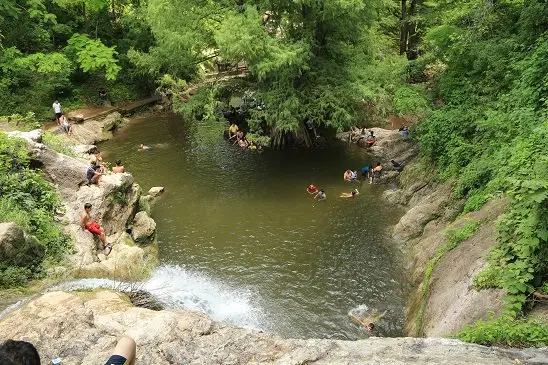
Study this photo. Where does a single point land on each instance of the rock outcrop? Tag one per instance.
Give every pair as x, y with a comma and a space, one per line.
18, 249
143, 228
34, 136
82, 328
114, 202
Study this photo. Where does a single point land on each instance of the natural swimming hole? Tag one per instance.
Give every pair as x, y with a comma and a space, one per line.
240, 238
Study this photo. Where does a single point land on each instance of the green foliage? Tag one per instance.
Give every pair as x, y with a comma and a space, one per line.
25, 122
144, 205
27, 199
507, 332
258, 139
12, 276
491, 132
92, 55
119, 197
410, 99
57, 144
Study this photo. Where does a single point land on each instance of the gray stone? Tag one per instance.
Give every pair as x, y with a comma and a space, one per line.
12, 238
16, 249
84, 149
156, 191
75, 117
82, 328
143, 228
32, 136
112, 121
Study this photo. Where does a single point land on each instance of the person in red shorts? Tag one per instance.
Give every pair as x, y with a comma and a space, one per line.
312, 189
87, 224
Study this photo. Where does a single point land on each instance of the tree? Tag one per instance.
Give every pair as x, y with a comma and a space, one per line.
299, 54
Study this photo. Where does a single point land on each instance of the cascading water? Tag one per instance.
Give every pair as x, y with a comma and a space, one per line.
178, 288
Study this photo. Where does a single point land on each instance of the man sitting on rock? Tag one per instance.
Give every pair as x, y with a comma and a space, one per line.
119, 168
87, 224
93, 173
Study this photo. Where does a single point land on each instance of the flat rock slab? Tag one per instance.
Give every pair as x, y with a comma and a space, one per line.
82, 328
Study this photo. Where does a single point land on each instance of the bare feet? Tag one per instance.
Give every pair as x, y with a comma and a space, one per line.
108, 249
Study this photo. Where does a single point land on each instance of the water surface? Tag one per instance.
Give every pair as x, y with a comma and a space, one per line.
238, 233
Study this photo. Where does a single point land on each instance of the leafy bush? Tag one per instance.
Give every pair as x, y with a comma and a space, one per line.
507, 332
57, 144
27, 199
11, 276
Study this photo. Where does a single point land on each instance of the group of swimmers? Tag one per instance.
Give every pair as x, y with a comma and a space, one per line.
235, 132
368, 172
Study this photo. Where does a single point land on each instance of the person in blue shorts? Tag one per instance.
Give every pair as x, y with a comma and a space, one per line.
124, 352
366, 171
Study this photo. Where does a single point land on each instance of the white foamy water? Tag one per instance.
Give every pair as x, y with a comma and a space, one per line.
178, 287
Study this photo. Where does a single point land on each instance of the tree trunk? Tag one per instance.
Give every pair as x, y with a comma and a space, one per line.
403, 27
412, 32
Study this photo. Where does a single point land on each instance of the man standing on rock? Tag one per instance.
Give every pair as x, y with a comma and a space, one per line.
87, 224
57, 110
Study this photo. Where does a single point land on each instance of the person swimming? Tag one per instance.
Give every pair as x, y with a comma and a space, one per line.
352, 194
142, 147
312, 189
365, 317
321, 195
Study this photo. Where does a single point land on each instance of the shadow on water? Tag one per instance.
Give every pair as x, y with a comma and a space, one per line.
244, 219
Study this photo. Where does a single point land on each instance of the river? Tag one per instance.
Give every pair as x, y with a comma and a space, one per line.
240, 238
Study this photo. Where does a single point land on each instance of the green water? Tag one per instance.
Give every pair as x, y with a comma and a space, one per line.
245, 220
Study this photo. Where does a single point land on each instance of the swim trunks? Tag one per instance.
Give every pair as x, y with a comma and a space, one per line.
116, 360
312, 188
94, 228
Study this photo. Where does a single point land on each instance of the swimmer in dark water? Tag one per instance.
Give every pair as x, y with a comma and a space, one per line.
350, 195
312, 189
142, 147
321, 195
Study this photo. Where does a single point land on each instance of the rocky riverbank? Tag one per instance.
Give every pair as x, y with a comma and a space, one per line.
444, 302
117, 203
81, 328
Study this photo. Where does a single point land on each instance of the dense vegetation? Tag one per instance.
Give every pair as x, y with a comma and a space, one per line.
475, 72
68, 49
27, 199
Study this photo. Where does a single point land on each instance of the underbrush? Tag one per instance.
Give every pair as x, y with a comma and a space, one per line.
507, 332
27, 199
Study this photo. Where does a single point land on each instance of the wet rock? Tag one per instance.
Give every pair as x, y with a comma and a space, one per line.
143, 228
112, 121
156, 191
82, 328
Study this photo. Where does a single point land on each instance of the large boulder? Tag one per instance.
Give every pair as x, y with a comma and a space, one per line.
143, 228
155, 191
12, 238
16, 249
34, 136
112, 121
83, 327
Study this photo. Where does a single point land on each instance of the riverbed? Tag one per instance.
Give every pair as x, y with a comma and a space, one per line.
240, 238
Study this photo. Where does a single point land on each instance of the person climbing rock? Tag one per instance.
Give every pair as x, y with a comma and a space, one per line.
89, 225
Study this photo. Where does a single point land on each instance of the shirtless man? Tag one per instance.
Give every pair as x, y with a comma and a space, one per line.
89, 225
119, 168
350, 195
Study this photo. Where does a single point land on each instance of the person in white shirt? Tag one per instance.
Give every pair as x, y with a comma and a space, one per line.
57, 111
